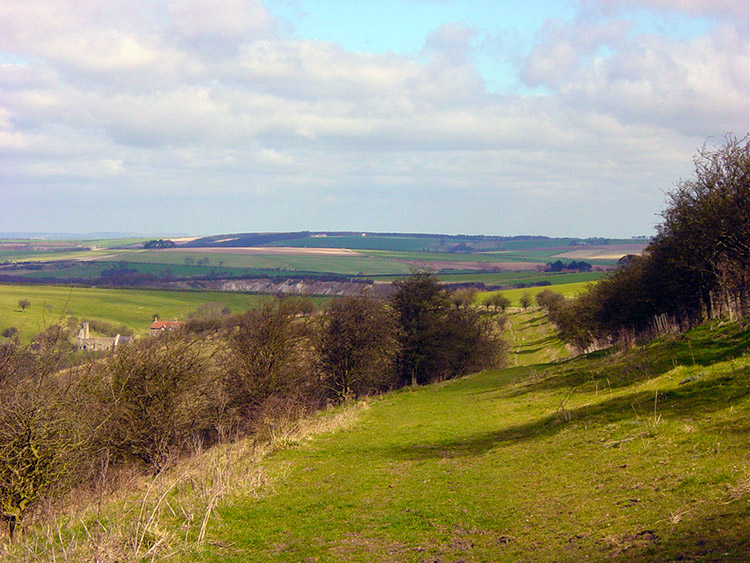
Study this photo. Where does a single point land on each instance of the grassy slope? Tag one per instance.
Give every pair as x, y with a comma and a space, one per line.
134, 308
602, 458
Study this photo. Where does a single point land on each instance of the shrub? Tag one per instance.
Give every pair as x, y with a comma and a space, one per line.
548, 299
270, 355
497, 301
436, 339
10, 332
44, 439
210, 317
160, 397
357, 346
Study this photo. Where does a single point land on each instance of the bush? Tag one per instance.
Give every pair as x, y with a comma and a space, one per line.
357, 346
10, 332
210, 317
497, 301
45, 442
548, 299
436, 339
271, 355
160, 397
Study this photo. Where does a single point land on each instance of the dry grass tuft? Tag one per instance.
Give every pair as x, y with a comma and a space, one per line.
151, 518
739, 490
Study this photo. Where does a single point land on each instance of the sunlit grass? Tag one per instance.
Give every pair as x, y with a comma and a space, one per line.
134, 308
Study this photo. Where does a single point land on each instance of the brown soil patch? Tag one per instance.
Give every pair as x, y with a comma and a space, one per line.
603, 252
268, 250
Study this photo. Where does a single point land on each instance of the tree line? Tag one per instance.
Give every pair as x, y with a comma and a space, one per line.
697, 267
67, 422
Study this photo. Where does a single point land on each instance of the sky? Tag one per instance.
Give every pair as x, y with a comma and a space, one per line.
546, 117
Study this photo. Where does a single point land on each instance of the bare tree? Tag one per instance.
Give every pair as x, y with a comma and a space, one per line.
357, 346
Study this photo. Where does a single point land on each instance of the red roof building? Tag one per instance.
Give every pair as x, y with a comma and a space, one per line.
157, 327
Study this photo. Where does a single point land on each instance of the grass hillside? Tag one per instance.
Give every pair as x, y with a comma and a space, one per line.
626, 455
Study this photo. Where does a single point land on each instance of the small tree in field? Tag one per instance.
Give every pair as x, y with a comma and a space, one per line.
24, 304
548, 299
526, 300
497, 301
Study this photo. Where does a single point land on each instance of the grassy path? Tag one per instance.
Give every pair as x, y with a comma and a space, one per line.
533, 339
637, 456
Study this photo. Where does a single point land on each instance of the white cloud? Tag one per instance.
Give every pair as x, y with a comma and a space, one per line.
713, 8
182, 101
698, 87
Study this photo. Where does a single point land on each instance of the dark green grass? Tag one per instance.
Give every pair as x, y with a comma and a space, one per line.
620, 456
532, 256
457, 257
91, 270
522, 277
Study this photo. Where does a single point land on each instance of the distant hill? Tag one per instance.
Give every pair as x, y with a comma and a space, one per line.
414, 242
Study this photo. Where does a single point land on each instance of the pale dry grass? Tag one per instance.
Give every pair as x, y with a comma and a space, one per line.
740, 490
161, 517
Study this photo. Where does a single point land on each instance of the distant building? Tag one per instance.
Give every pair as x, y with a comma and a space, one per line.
98, 343
157, 327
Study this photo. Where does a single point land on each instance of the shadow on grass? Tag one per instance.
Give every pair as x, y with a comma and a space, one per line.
619, 367
694, 400
538, 345
534, 321
718, 537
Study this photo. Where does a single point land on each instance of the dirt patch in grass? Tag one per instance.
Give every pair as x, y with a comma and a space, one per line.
620, 544
603, 252
378, 548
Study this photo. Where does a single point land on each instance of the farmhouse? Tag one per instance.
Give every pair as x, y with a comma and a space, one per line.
95, 343
157, 327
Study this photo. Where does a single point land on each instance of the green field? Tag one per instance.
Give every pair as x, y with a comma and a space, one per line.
346, 265
510, 278
94, 269
566, 289
134, 308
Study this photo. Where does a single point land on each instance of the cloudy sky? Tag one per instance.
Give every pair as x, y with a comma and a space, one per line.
548, 117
